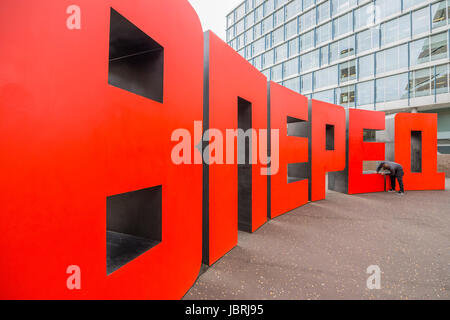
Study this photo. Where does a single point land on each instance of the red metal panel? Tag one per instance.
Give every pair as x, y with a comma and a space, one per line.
284, 103
322, 160
69, 140
359, 151
429, 178
230, 77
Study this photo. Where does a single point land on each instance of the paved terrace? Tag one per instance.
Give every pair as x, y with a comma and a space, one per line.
322, 251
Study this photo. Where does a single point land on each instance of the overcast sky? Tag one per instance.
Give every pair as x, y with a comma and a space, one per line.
212, 14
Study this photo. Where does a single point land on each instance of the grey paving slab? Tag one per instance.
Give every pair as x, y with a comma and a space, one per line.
322, 251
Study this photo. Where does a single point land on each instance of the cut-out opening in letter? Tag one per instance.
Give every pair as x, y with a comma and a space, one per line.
297, 127
369, 135
416, 151
133, 225
329, 133
136, 61
245, 169
298, 171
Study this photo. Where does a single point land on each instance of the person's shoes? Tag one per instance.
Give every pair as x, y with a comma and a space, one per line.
392, 190
400, 193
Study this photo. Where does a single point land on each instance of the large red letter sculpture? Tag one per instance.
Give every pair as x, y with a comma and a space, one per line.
353, 180
289, 110
327, 144
74, 146
416, 151
236, 98
91, 203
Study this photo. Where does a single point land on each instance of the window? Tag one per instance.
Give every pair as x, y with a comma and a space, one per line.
281, 2
230, 19
269, 6
240, 11
259, 46
293, 47
268, 58
339, 6
386, 8
420, 83
293, 8
345, 96
307, 40
279, 17
419, 51
439, 46
347, 47
392, 59
249, 4
277, 73
258, 2
306, 83
323, 33
248, 51
323, 11
281, 53
343, 48
242, 53
364, 16
257, 31
249, 36
290, 67
233, 44
257, 62
420, 21
343, 25
438, 14
310, 60
326, 77
240, 41
366, 67
293, 84
240, 27
365, 93
411, 3
368, 40
267, 24
307, 3
278, 36
259, 13
308, 20
392, 88
291, 29
324, 55
268, 41
347, 71
395, 30
441, 85
448, 11
266, 73
230, 33
327, 96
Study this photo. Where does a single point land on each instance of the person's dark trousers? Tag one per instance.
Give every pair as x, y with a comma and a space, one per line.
400, 182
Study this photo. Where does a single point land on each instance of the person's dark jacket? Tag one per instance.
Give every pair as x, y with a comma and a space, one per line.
395, 169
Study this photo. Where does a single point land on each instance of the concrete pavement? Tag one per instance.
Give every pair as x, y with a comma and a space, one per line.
322, 251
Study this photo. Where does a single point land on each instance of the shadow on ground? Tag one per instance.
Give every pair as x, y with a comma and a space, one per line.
322, 251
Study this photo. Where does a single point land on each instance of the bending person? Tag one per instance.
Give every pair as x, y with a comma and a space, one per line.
395, 171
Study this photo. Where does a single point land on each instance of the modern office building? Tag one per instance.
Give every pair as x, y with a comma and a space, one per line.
387, 55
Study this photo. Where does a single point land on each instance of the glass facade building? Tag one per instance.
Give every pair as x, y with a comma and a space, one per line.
386, 55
